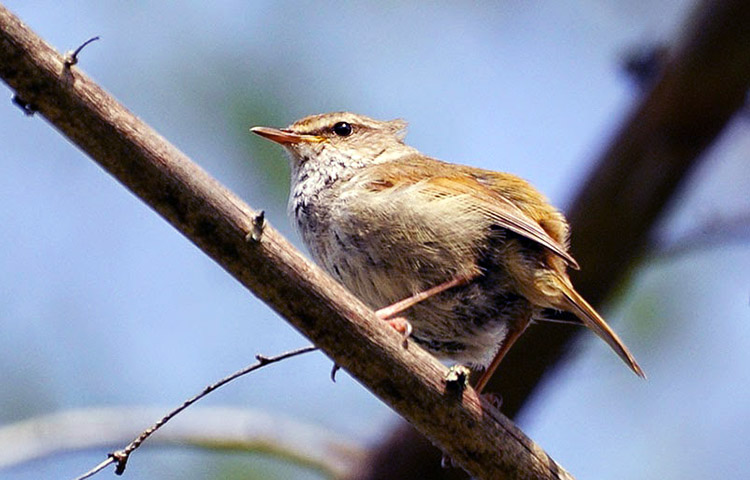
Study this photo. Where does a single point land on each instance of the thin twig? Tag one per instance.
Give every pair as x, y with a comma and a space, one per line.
120, 457
110, 460
71, 58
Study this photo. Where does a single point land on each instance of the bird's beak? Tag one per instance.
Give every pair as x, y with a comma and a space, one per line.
285, 137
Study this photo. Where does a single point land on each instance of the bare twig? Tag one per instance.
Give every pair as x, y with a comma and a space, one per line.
467, 428
71, 58
104, 464
120, 457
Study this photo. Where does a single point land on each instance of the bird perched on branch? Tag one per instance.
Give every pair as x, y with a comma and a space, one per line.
459, 259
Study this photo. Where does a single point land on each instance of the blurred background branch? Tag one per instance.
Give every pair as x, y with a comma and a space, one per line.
216, 428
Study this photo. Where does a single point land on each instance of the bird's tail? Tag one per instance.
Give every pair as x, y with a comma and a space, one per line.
581, 308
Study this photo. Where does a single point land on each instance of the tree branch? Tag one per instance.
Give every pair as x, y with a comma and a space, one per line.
121, 457
475, 435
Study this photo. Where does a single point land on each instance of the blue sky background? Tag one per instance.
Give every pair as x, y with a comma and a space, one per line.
103, 303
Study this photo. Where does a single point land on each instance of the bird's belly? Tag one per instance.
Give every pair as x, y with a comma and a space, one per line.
466, 324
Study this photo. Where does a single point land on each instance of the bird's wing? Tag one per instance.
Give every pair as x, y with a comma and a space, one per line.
498, 208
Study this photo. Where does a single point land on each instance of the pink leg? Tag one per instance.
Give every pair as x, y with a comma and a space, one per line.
401, 324
507, 343
400, 306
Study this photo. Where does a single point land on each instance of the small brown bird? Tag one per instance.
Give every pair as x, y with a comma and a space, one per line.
476, 254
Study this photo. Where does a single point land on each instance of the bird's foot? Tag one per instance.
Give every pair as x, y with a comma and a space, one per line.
402, 326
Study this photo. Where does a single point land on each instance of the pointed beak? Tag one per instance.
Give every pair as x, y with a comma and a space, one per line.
284, 136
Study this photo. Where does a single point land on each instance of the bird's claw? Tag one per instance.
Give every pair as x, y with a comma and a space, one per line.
402, 326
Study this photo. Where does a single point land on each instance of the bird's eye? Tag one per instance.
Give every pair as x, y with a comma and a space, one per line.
342, 129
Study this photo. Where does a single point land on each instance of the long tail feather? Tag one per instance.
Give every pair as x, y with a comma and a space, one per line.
595, 322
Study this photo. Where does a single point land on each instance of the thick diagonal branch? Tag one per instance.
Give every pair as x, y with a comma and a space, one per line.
484, 442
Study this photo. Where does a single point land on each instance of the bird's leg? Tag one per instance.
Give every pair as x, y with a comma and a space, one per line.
508, 342
401, 324
401, 305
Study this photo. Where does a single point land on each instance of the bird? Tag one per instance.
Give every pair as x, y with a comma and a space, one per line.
459, 259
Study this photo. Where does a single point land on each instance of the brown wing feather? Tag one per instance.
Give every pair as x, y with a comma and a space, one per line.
501, 210
486, 191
